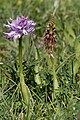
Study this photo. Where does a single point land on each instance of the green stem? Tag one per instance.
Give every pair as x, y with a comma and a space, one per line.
24, 87
55, 82
20, 56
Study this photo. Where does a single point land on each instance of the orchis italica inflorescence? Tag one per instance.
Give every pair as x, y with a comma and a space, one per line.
19, 27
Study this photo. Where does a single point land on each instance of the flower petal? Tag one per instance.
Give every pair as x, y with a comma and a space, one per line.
25, 32
16, 36
9, 35
31, 29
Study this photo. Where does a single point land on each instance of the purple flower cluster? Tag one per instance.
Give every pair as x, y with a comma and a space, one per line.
19, 27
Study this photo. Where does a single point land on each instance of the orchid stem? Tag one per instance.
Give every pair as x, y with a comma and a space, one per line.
24, 88
55, 82
20, 57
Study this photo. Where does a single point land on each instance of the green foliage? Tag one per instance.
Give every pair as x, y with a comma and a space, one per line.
37, 65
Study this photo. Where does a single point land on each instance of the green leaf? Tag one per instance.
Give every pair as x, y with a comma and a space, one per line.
77, 49
70, 30
25, 90
76, 66
36, 68
69, 39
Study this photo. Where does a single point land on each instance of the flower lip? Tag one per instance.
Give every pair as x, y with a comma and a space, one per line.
19, 27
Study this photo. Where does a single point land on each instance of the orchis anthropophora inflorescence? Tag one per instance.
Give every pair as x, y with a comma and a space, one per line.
19, 27
50, 38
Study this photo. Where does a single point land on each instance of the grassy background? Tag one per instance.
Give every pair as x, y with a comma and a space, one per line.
66, 105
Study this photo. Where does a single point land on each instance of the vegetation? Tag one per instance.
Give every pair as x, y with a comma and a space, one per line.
47, 102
